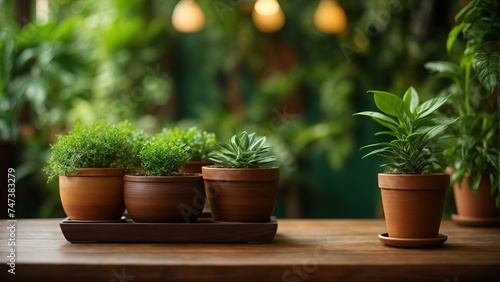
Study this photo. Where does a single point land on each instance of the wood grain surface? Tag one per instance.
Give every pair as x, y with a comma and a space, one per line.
302, 250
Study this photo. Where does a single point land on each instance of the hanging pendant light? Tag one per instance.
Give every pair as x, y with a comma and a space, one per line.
330, 17
268, 16
188, 16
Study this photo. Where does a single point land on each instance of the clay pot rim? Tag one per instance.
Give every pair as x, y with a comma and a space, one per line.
432, 181
188, 177
200, 162
213, 172
96, 172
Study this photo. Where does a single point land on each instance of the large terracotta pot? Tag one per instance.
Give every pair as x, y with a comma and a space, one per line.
93, 194
241, 194
164, 198
413, 204
481, 205
195, 166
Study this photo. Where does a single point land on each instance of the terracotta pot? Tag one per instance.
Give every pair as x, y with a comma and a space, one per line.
241, 194
93, 194
164, 198
195, 166
480, 205
413, 204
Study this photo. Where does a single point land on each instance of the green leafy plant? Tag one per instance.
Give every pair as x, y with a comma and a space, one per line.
480, 28
163, 157
199, 143
473, 147
96, 145
137, 138
414, 129
243, 151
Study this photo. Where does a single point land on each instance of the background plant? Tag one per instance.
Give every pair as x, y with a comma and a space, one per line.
96, 145
199, 143
243, 151
474, 148
163, 157
414, 130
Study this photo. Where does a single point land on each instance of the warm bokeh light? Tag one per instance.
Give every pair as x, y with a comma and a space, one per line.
188, 17
268, 16
330, 17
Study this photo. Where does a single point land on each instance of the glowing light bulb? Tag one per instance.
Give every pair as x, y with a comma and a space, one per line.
330, 17
268, 16
188, 16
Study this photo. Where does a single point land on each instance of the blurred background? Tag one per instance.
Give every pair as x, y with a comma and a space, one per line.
294, 71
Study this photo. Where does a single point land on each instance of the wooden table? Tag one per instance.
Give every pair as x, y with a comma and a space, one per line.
303, 250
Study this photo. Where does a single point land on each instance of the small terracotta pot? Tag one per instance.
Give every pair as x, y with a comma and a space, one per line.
93, 194
164, 198
241, 194
413, 204
194, 166
480, 205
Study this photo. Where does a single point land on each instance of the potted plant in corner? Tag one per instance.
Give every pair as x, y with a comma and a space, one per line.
199, 144
474, 150
240, 186
412, 194
90, 162
159, 192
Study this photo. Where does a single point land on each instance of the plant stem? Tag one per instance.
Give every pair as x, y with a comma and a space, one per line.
467, 90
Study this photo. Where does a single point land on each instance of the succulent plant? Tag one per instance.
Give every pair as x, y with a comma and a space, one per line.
243, 151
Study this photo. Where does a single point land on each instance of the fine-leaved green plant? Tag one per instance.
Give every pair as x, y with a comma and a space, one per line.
137, 138
243, 151
96, 145
162, 157
414, 131
199, 143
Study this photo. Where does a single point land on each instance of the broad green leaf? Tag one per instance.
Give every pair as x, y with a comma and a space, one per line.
388, 103
452, 36
487, 67
380, 118
411, 100
435, 131
390, 133
429, 106
448, 69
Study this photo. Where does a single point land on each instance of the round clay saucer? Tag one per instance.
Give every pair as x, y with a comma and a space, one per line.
412, 243
475, 221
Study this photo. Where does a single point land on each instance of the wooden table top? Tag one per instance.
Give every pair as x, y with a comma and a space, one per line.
303, 250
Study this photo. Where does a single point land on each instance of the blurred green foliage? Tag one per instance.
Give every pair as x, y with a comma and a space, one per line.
122, 60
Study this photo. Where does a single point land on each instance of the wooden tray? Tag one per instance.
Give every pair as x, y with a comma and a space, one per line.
205, 230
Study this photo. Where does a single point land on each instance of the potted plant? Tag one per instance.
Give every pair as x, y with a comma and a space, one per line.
473, 151
160, 193
412, 193
240, 186
199, 144
90, 161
